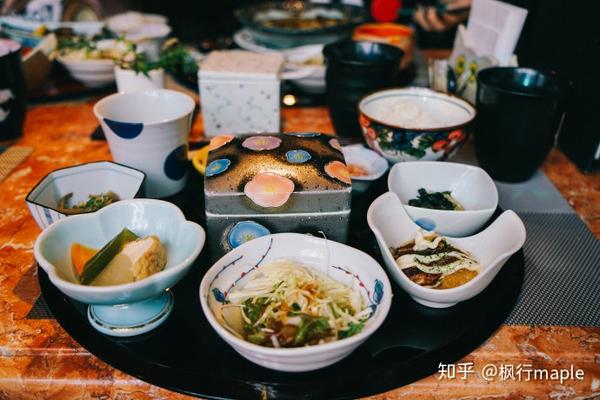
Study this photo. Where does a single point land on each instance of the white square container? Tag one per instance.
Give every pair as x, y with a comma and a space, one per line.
239, 92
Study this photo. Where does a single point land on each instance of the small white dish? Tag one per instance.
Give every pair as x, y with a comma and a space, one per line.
81, 180
131, 308
92, 73
492, 247
28, 25
367, 159
471, 186
348, 266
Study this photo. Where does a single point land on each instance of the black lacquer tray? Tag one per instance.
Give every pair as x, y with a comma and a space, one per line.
186, 355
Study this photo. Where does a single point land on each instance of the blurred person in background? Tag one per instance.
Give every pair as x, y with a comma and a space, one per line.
437, 28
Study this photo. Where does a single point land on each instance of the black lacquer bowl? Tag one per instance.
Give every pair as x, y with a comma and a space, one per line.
187, 356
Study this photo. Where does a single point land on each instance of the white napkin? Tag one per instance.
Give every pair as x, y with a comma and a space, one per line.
494, 28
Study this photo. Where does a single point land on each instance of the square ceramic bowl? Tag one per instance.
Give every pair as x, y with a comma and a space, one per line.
492, 247
342, 263
471, 186
373, 164
183, 241
81, 180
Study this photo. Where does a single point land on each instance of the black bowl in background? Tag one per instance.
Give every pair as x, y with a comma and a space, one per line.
518, 116
252, 18
354, 69
12, 92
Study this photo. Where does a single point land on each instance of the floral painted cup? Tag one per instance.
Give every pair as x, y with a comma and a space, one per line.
412, 124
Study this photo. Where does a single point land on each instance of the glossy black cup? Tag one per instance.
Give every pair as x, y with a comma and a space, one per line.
518, 115
12, 92
355, 69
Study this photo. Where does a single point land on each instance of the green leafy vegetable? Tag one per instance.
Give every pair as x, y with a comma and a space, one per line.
174, 57
311, 329
436, 201
254, 310
353, 329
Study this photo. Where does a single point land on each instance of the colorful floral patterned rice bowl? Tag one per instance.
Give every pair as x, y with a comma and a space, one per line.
349, 266
412, 124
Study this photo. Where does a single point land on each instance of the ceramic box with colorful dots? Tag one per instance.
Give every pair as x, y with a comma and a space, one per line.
272, 183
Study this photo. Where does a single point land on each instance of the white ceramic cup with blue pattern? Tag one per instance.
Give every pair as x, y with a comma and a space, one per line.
149, 130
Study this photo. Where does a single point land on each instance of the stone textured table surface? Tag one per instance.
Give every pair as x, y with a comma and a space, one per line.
38, 360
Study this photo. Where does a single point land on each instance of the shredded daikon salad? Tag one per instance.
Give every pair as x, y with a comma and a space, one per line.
287, 304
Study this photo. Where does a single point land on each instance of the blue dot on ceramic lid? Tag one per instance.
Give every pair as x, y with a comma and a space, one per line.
297, 156
217, 166
175, 164
245, 231
426, 223
125, 130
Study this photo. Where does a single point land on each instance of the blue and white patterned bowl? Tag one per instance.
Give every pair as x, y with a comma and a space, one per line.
347, 265
81, 180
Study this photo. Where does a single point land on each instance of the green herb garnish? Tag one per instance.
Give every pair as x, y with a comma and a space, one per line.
353, 329
311, 329
174, 57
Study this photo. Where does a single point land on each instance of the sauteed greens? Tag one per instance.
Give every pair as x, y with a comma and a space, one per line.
93, 203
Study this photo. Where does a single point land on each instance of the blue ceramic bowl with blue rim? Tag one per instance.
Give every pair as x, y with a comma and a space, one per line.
411, 124
343, 263
131, 308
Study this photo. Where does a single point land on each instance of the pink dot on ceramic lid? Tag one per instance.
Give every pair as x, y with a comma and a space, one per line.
338, 170
219, 141
335, 144
269, 189
259, 143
